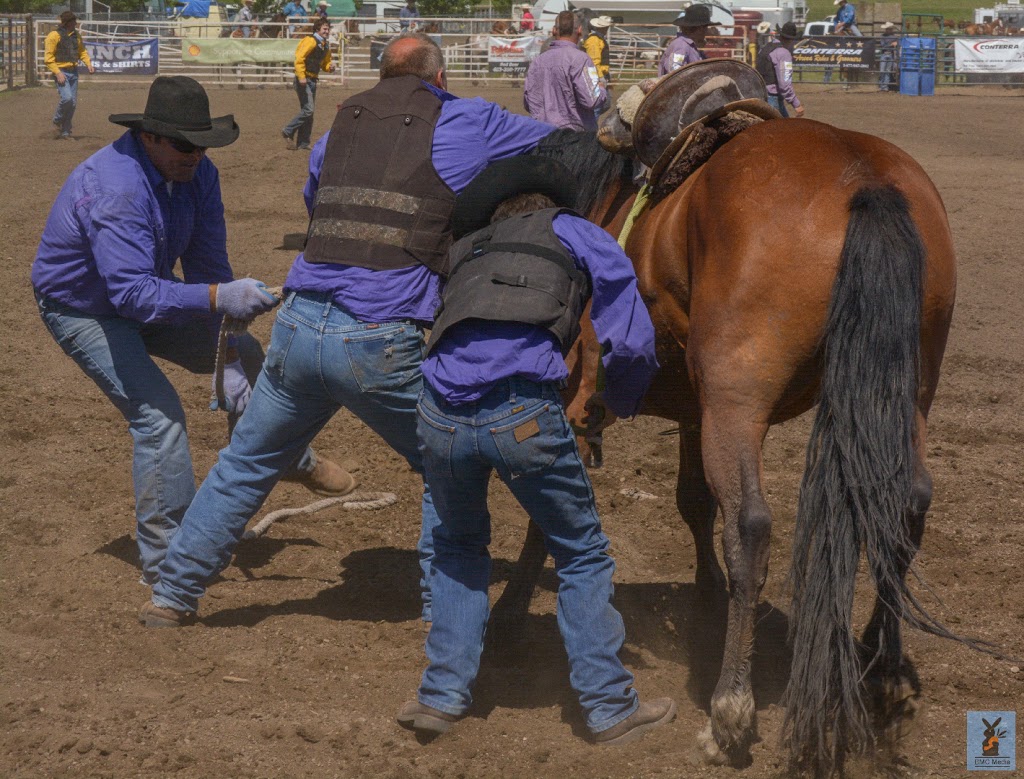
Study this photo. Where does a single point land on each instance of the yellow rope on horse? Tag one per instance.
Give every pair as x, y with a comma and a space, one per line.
642, 197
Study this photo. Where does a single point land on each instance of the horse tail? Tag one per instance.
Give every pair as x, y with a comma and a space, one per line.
858, 479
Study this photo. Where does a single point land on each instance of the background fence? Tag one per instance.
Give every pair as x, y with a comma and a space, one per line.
17, 66
634, 50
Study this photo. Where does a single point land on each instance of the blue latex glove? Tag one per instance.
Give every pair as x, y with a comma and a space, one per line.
236, 389
244, 299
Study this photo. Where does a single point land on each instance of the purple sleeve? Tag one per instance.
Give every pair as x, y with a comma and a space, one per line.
205, 260
124, 247
316, 162
620, 318
784, 76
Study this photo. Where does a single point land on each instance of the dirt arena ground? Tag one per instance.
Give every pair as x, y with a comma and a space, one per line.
319, 622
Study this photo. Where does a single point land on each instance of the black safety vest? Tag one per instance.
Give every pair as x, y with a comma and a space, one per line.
67, 46
315, 58
765, 67
380, 203
515, 270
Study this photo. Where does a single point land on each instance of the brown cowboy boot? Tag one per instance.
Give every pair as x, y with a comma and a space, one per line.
326, 478
647, 717
426, 719
153, 616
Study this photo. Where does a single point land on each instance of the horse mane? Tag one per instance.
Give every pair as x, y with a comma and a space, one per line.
595, 168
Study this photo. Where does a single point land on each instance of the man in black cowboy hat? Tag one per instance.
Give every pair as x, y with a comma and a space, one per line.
693, 26
518, 279
775, 65
105, 285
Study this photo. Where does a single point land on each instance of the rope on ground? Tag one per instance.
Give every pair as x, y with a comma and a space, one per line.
357, 500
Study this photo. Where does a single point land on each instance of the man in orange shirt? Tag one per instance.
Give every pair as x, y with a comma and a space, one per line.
63, 51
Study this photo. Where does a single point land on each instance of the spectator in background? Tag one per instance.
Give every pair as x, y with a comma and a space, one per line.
63, 49
596, 47
775, 65
321, 11
846, 18
889, 48
245, 18
562, 85
693, 26
294, 12
407, 16
526, 23
312, 55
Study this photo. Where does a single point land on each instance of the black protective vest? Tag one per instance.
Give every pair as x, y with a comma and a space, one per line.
67, 46
380, 203
515, 270
765, 68
315, 57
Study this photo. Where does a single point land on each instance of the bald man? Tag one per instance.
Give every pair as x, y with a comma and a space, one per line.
382, 185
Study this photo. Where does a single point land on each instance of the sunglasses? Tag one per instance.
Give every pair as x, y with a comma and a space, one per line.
185, 147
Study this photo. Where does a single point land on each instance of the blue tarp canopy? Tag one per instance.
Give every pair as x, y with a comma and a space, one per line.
200, 8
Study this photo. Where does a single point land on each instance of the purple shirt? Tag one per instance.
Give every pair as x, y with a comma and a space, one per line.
782, 60
114, 234
680, 51
470, 134
562, 87
473, 355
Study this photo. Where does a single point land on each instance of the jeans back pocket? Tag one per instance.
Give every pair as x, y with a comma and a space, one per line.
533, 440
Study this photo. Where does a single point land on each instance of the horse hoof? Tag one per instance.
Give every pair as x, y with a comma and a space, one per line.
709, 748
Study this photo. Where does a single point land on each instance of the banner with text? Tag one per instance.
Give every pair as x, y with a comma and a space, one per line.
990, 55
232, 51
132, 57
511, 56
835, 51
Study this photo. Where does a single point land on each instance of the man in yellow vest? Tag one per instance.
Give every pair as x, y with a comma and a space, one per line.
596, 46
63, 50
312, 55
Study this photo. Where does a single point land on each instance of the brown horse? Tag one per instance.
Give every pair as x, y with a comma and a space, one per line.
801, 264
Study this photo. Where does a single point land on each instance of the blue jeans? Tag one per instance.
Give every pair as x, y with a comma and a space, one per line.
302, 122
320, 359
68, 92
778, 104
117, 354
518, 429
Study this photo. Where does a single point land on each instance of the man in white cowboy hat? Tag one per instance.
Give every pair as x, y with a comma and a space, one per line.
596, 46
889, 49
106, 288
775, 65
693, 26
321, 10
246, 17
846, 18
526, 23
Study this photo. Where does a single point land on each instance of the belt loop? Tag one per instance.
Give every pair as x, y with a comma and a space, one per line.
512, 391
289, 299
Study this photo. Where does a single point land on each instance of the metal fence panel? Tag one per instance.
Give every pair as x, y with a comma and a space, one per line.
16, 59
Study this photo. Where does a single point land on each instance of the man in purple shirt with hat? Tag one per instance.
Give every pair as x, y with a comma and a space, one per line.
105, 285
775, 65
562, 85
350, 331
520, 277
685, 47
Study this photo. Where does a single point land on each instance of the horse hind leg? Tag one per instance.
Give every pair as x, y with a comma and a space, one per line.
731, 447
698, 508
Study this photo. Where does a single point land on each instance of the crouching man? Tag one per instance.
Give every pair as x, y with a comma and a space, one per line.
510, 310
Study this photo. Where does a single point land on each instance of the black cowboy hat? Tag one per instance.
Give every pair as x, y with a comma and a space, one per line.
697, 15
179, 108
508, 178
788, 31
